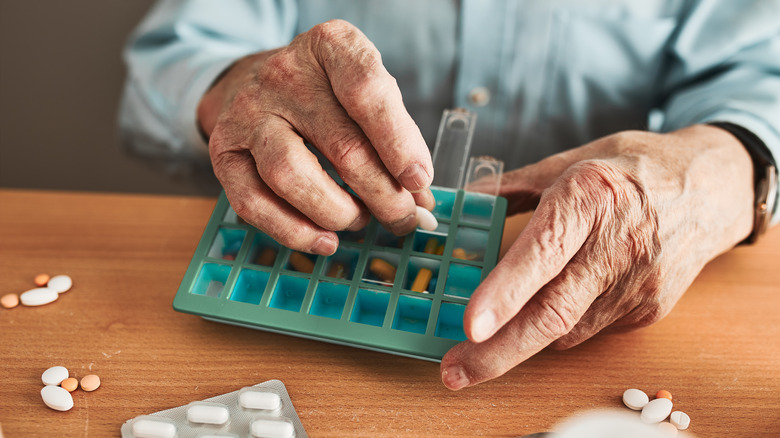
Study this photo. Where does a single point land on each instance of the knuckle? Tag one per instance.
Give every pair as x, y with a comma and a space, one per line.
554, 319
281, 68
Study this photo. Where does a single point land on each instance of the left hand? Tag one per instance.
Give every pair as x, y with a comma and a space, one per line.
622, 227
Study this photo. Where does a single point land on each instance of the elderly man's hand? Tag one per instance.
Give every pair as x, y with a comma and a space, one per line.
622, 227
330, 89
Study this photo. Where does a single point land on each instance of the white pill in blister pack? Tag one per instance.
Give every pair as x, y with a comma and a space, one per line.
146, 427
208, 413
250, 398
272, 428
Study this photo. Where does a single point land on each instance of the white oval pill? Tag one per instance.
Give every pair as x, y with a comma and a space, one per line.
680, 419
38, 296
657, 410
667, 429
262, 428
207, 414
259, 400
57, 398
635, 399
426, 220
60, 283
153, 429
54, 375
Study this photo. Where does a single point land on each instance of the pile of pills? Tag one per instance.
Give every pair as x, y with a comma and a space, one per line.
59, 385
657, 410
48, 290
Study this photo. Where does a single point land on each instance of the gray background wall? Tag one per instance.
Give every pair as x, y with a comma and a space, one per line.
61, 76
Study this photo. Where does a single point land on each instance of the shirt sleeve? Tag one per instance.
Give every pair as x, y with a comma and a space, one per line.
173, 57
724, 66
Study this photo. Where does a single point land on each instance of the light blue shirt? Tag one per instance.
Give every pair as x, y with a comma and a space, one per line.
543, 76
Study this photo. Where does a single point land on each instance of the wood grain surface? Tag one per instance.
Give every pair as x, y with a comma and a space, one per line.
718, 352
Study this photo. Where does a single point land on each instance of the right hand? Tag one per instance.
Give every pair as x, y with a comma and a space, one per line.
330, 89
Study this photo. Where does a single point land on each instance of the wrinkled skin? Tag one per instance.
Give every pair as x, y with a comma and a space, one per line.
621, 226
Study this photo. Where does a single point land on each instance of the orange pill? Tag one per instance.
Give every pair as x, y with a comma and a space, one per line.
431, 246
337, 270
459, 253
301, 263
382, 269
90, 382
9, 301
422, 280
41, 280
267, 257
663, 394
70, 384
440, 251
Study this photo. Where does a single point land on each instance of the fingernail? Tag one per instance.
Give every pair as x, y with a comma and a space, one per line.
359, 223
414, 178
483, 326
325, 245
454, 377
404, 226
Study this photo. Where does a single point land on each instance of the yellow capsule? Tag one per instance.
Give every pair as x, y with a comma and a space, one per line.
422, 280
382, 269
267, 257
459, 253
431, 246
301, 263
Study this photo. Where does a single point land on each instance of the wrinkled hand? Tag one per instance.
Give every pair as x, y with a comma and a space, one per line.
330, 89
622, 227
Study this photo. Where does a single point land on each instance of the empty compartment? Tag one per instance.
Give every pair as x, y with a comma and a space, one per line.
227, 243
462, 280
431, 242
449, 324
250, 286
386, 238
478, 208
211, 280
382, 268
264, 250
289, 293
419, 273
329, 300
358, 236
370, 307
342, 264
300, 262
445, 202
470, 244
231, 217
411, 314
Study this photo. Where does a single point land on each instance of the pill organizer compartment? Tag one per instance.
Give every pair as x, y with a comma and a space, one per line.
342, 264
478, 208
211, 280
425, 240
469, 244
445, 203
413, 271
264, 250
329, 300
386, 238
450, 321
227, 243
250, 286
289, 293
412, 314
462, 280
374, 272
370, 307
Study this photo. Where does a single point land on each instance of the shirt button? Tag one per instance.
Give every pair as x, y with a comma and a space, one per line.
479, 96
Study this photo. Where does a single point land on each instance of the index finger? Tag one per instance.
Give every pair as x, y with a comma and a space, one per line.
373, 100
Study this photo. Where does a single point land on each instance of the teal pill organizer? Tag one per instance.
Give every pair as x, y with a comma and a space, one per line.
241, 276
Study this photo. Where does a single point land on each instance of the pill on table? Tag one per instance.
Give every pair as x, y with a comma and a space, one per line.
60, 283
663, 394
207, 414
56, 398
38, 296
337, 270
635, 399
259, 400
267, 428
431, 246
422, 280
90, 382
459, 253
267, 257
54, 375
148, 428
680, 420
301, 263
657, 410
70, 384
40, 280
382, 269
9, 301
667, 429
426, 220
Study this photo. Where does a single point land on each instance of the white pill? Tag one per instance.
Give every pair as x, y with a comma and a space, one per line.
635, 399
680, 419
54, 375
207, 413
60, 283
259, 400
57, 398
38, 296
657, 410
262, 428
667, 429
426, 220
147, 428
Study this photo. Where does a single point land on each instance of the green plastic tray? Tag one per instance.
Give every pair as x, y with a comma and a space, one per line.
224, 281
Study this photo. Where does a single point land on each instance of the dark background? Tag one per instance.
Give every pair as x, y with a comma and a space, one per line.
61, 76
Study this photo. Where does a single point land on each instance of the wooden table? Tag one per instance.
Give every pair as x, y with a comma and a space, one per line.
718, 352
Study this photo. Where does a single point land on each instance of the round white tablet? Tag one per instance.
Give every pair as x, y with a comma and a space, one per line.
57, 398
54, 375
635, 399
657, 410
60, 283
680, 419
